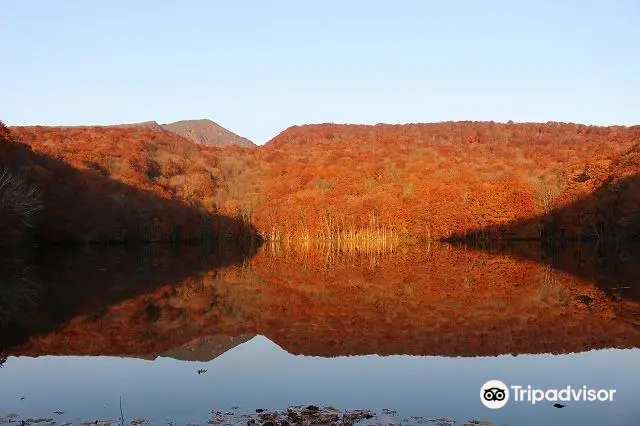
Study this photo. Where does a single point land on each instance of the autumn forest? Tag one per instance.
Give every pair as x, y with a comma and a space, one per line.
456, 239
349, 184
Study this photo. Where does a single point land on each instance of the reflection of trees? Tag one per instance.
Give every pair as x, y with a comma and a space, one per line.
551, 288
19, 294
3, 359
155, 281
321, 301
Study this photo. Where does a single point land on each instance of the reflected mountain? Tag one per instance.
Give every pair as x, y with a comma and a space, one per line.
206, 348
416, 300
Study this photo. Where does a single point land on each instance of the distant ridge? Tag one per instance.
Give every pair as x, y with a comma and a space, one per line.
153, 125
205, 132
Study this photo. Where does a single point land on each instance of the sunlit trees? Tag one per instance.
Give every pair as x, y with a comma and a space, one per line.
547, 190
430, 180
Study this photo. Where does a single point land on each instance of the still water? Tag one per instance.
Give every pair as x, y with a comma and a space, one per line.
417, 330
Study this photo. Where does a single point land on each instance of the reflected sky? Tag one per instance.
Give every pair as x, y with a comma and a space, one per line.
259, 374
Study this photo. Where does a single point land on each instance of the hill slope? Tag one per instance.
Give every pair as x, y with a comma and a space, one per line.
206, 132
433, 180
116, 184
354, 183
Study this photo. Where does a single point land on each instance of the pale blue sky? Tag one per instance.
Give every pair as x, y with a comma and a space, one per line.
257, 67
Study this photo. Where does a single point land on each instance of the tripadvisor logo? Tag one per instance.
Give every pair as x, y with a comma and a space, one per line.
495, 394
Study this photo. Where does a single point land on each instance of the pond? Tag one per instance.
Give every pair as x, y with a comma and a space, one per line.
412, 333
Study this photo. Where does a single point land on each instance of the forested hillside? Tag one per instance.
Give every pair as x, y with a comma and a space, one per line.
111, 184
354, 183
438, 180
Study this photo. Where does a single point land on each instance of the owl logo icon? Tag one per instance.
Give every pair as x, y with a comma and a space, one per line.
494, 394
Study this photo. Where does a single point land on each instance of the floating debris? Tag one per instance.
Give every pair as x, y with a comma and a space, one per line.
441, 421
559, 405
202, 371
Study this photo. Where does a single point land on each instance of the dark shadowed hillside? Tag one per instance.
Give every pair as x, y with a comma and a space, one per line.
206, 132
110, 184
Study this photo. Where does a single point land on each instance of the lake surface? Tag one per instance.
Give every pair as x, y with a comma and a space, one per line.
177, 333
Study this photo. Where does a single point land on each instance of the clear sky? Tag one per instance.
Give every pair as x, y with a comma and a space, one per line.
258, 67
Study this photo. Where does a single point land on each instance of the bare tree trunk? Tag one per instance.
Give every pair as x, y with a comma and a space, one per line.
20, 204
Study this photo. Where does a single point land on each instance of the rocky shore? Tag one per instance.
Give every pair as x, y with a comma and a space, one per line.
292, 416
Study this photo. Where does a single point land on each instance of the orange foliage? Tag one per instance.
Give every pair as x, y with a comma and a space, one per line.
433, 180
115, 184
419, 181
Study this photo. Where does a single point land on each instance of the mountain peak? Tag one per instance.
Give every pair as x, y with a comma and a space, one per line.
207, 132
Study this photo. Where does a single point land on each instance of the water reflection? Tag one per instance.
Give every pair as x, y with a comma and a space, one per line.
208, 307
441, 301
46, 290
259, 374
